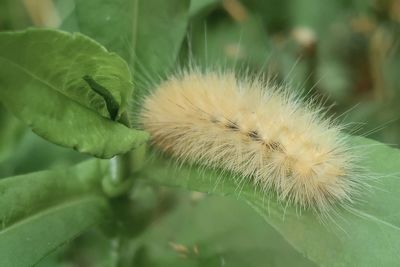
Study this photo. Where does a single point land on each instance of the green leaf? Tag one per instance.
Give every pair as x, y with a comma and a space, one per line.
47, 91
13, 15
373, 226
11, 132
199, 7
212, 231
159, 36
111, 103
48, 230
67, 60
231, 44
149, 35
41, 211
33, 153
100, 19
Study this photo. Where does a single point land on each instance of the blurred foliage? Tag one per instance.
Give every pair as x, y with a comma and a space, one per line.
13, 15
343, 239
343, 51
21, 151
200, 231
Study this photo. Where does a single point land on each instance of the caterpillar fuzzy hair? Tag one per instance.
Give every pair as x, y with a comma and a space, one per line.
261, 132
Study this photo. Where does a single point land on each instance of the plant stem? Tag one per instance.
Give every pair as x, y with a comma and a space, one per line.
118, 182
120, 168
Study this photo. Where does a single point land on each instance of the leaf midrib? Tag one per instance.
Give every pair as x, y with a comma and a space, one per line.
261, 212
31, 74
374, 219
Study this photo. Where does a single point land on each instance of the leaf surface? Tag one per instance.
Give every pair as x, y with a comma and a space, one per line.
41, 211
41, 82
203, 231
199, 7
367, 236
146, 33
231, 44
11, 132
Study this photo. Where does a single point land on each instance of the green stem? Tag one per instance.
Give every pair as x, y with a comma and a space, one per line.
118, 181
120, 168
115, 252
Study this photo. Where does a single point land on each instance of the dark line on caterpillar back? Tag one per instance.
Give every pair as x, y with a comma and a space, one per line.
254, 135
275, 146
232, 126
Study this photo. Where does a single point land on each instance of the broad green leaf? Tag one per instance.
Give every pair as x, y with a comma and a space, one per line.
13, 15
367, 236
47, 231
198, 7
109, 22
11, 132
41, 211
149, 35
132, 215
61, 61
33, 153
41, 82
159, 36
213, 231
231, 44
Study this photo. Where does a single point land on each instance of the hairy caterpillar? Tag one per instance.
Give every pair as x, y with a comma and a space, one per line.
257, 130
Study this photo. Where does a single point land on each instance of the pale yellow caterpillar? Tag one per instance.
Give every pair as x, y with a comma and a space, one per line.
259, 131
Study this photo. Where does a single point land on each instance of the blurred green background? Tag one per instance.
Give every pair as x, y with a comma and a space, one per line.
344, 51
